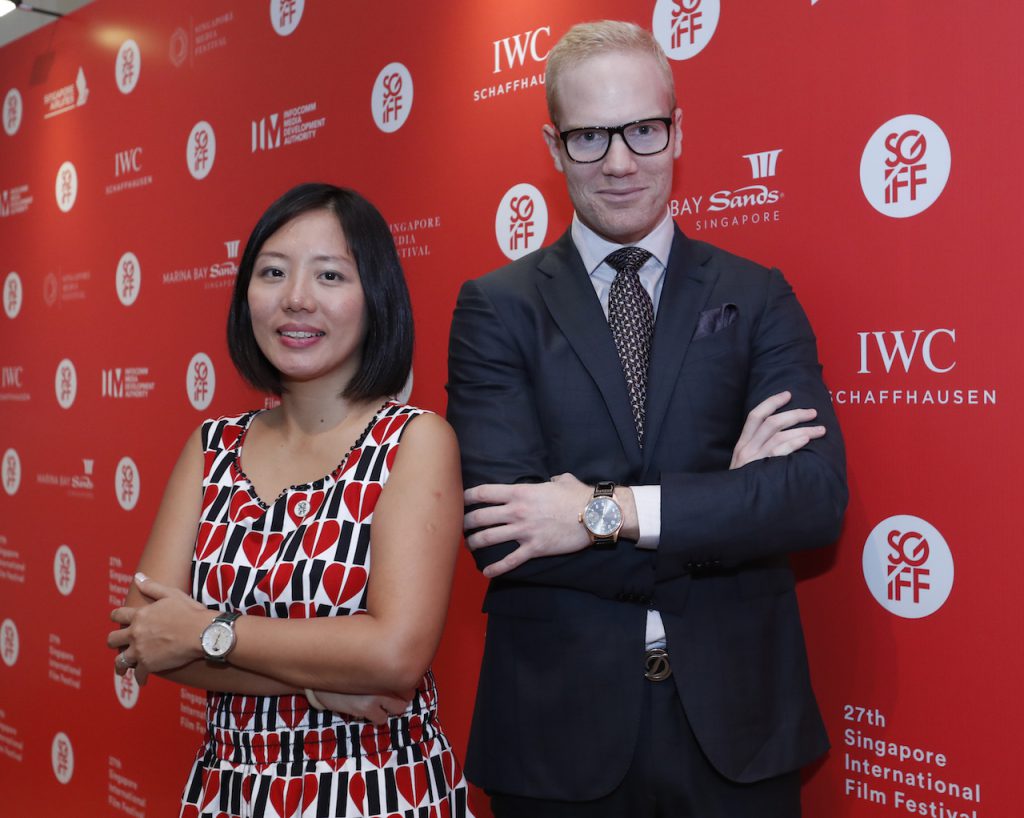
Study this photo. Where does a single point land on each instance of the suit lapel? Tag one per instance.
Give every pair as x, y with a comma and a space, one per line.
687, 286
572, 302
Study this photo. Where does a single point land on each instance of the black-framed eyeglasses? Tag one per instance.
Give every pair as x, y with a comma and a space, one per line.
644, 137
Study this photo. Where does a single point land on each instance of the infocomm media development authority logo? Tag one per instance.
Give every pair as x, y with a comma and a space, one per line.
905, 166
521, 222
908, 566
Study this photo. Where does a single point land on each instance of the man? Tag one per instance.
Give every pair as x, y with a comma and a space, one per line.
634, 492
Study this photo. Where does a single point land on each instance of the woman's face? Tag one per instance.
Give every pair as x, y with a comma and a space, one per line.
306, 301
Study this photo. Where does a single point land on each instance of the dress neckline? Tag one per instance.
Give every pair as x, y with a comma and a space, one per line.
312, 484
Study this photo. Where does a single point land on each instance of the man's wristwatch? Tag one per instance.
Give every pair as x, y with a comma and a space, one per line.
218, 638
602, 516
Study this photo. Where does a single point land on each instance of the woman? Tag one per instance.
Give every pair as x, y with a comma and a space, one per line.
297, 504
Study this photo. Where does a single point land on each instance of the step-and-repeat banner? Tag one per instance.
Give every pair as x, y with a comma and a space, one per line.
870, 149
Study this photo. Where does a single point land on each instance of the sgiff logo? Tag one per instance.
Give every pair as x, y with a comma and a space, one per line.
521, 222
200, 380
13, 295
905, 166
62, 757
12, 112
128, 279
127, 66
391, 101
685, 27
65, 384
908, 566
126, 483
64, 570
66, 187
201, 150
9, 642
285, 15
126, 689
11, 472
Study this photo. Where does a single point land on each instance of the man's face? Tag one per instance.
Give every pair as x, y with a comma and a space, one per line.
623, 196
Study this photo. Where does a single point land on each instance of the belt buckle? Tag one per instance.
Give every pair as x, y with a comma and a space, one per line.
656, 665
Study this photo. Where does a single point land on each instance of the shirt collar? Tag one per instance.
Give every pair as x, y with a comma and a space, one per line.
594, 249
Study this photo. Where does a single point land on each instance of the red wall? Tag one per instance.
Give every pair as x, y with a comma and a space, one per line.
813, 86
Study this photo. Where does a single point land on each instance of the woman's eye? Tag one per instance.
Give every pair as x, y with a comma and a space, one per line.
271, 272
330, 275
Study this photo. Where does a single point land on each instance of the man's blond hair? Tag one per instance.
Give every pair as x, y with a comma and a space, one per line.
586, 40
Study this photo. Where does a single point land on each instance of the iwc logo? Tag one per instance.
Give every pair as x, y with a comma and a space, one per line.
12, 112
126, 483
127, 66
13, 295
65, 383
685, 27
905, 166
285, 15
201, 150
200, 381
391, 100
66, 187
128, 279
908, 566
521, 222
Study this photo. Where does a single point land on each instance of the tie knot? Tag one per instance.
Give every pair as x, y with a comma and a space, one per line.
627, 259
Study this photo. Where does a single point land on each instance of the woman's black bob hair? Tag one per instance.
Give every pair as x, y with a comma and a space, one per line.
387, 347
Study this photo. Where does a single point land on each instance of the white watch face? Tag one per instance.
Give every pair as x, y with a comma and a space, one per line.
602, 516
218, 639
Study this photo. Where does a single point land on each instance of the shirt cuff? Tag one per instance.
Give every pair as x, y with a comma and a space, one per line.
648, 515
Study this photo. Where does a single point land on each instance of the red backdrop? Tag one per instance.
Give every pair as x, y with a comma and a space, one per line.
870, 149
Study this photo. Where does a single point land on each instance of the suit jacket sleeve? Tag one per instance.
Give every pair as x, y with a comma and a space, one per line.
714, 517
494, 411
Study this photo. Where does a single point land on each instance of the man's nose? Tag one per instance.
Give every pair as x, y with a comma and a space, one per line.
620, 159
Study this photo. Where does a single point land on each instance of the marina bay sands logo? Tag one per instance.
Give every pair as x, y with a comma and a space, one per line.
285, 15
12, 111
127, 66
66, 187
201, 150
13, 295
200, 381
908, 566
126, 483
391, 101
11, 474
65, 383
685, 27
521, 222
905, 166
128, 279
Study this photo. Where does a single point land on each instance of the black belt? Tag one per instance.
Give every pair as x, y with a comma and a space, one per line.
656, 665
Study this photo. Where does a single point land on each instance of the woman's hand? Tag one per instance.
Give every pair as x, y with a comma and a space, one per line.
160, 635
376, 707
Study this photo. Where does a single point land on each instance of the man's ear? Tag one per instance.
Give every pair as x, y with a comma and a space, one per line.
554, 143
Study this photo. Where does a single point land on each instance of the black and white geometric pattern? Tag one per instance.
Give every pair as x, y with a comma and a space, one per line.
631, 316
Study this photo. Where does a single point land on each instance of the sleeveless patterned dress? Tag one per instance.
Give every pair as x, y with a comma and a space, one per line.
308, 554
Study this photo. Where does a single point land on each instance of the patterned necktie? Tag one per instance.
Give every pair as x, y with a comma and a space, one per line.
631, 316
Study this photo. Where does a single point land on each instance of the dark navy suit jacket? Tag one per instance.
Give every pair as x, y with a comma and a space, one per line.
536, 389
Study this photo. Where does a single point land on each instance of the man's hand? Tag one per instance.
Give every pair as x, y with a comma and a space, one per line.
767, 434
377, 708
542, 517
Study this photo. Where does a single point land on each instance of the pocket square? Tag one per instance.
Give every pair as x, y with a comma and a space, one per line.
715, 320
